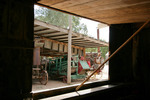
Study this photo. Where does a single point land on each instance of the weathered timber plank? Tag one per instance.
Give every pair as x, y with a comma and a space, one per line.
55, 46
69, 3
137, 9
87, 8
52, 2
128, 19
60, 48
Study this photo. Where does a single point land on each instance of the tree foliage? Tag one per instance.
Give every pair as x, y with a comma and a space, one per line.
60, 19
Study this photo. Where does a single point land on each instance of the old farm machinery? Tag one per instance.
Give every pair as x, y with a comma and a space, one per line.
40, 72
39, 69
95, 60
58, 67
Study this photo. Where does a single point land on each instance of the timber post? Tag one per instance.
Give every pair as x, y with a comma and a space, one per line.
69, 50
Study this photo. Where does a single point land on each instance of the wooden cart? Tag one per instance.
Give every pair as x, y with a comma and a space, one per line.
39, 72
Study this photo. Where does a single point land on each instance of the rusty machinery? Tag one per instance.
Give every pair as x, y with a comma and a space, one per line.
58, 67
39, 69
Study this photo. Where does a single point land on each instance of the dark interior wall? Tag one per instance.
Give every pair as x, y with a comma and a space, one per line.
16, 47
142, 60
120, 69
132, 63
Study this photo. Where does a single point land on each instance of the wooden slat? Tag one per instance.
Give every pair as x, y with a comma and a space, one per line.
69, 3
76, 38
82, 41
88, 44
127, 19
121, 11
65, 41
52, 2
54, 33
41, 30
90, 5
38, 28
103, 7
47, 33
36, 25
58, 36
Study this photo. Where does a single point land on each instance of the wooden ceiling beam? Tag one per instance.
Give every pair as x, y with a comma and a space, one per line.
98, 10
121, 11
60, 37
54, 34
47, 33
53, 2
70, 3
117, 4
127, 19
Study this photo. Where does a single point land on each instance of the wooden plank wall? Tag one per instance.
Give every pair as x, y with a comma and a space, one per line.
131, 64
120, 66
141, 60
16, 53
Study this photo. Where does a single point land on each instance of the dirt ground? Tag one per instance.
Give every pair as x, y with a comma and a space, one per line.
36, 85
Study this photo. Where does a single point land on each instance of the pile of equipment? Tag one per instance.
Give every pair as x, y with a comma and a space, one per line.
58, 67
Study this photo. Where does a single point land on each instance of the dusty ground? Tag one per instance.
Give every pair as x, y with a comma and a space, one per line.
59, 83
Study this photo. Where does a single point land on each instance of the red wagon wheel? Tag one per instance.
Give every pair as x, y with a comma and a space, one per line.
43, 77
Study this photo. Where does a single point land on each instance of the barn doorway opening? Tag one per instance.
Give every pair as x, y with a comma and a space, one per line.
89, 48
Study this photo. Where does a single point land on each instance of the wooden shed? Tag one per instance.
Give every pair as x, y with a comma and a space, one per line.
53, 40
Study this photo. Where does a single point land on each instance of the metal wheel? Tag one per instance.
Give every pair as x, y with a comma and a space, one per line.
65, 79
43, 77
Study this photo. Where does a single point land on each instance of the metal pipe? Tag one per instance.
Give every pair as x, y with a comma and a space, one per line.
98, 48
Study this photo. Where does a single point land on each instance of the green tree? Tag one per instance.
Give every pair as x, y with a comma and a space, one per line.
59, 19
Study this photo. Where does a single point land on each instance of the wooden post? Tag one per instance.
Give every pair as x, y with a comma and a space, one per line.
98, 48
69, 50
98, 37
84, 54
36, 56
